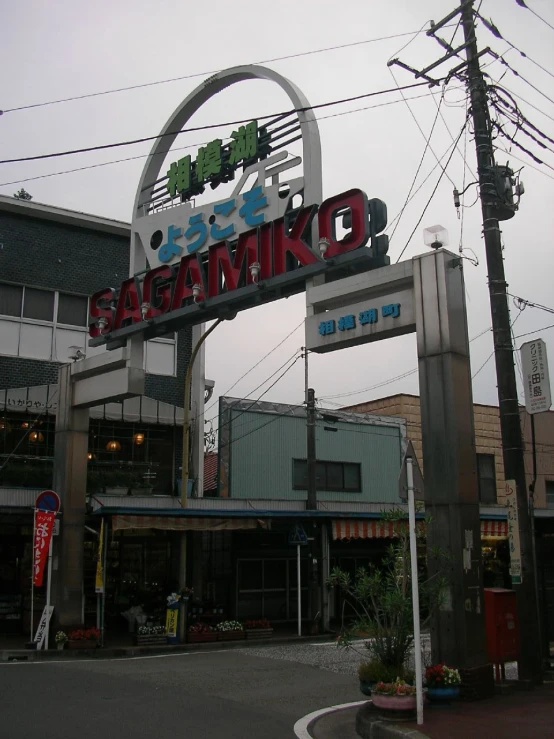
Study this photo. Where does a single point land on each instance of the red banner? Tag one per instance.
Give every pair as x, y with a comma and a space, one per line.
44, 525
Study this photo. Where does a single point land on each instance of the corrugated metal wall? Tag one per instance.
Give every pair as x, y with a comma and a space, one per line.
263, 447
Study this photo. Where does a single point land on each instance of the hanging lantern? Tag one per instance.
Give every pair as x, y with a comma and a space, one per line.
138, 439
36, 437
4, 425
113, 446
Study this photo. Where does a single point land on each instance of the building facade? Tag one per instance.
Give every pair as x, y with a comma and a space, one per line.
51, 261
490, 473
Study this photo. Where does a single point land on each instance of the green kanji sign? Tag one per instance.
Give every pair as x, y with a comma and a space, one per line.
216, 162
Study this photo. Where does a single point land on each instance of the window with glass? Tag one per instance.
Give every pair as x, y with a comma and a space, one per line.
340, 477
486, 472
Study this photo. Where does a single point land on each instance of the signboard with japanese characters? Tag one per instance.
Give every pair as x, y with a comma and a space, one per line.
513, 533
42, 627
372, 320
267, 233
536, 380
44, 526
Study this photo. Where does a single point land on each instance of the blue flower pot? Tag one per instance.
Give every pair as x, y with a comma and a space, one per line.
443, 695
366, 687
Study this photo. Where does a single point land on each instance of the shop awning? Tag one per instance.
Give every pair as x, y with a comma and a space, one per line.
360, 529
494, 529
348, 528
173, 523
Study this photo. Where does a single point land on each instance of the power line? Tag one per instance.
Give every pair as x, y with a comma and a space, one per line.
205, 74
526, 303
391, 379
495, 31
517, 95
209, 126
294, 330
523, 4
433, 193
266, 380
202, 143
518, 159
416, 121
536, 331
427, 143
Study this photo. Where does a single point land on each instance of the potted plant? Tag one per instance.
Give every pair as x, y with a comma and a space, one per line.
443, 683
230, 630
257, 628
373, 671
150, 635
61, 640
84, 638
381, 598
395, 700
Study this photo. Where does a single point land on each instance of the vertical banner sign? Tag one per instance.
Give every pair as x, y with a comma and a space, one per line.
513, 533
172, 615
99, 583
536, 380
44, 525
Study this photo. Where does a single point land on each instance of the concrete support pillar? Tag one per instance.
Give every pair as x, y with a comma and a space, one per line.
449, 459
70, 481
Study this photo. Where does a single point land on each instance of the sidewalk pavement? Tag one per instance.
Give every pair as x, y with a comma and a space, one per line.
522, 714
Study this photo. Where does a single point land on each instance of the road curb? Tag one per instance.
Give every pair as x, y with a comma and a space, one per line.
32, 655
304, 726
368, 724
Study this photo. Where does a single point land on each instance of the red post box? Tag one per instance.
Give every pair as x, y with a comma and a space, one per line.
502, 626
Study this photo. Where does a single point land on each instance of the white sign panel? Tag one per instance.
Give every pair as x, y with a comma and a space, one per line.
513, 533
375, 318
536, 380
40, 636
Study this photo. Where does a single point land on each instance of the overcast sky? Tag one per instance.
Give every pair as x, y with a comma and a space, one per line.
64, 49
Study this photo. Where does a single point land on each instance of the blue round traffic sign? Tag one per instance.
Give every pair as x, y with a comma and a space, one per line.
48, 500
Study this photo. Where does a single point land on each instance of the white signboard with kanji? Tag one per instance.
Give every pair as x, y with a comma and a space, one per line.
513, 533
536, 380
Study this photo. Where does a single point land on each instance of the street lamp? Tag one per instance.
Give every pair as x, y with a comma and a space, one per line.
185, 467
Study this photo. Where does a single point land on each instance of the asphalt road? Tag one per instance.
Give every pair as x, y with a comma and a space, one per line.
230, 694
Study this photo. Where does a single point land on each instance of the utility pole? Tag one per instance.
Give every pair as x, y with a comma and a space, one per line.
512, 442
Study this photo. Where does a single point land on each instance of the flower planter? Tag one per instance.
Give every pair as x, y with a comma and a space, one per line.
60, 646
366, 687
82, 644
230, 635
202, 636
258, 633
150, 639
443, 695
395, 707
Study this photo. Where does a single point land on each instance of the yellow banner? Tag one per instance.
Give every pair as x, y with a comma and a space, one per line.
172, 615
99, 584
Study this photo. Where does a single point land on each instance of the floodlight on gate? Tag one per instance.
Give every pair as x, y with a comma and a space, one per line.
196, 290
323, 244
144, 308
255, 271
101, 323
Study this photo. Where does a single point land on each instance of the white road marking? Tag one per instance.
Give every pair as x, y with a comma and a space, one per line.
301, 726
108, 659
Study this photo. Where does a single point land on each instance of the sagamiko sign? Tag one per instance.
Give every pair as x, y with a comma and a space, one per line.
260, 243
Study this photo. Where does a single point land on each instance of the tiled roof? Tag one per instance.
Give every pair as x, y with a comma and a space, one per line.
210, 471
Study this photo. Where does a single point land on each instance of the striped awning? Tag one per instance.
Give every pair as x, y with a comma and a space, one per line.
353, 529
359, 529
494, 529
173, 523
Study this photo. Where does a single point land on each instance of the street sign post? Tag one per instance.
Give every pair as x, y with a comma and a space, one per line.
407, 484
297, 536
